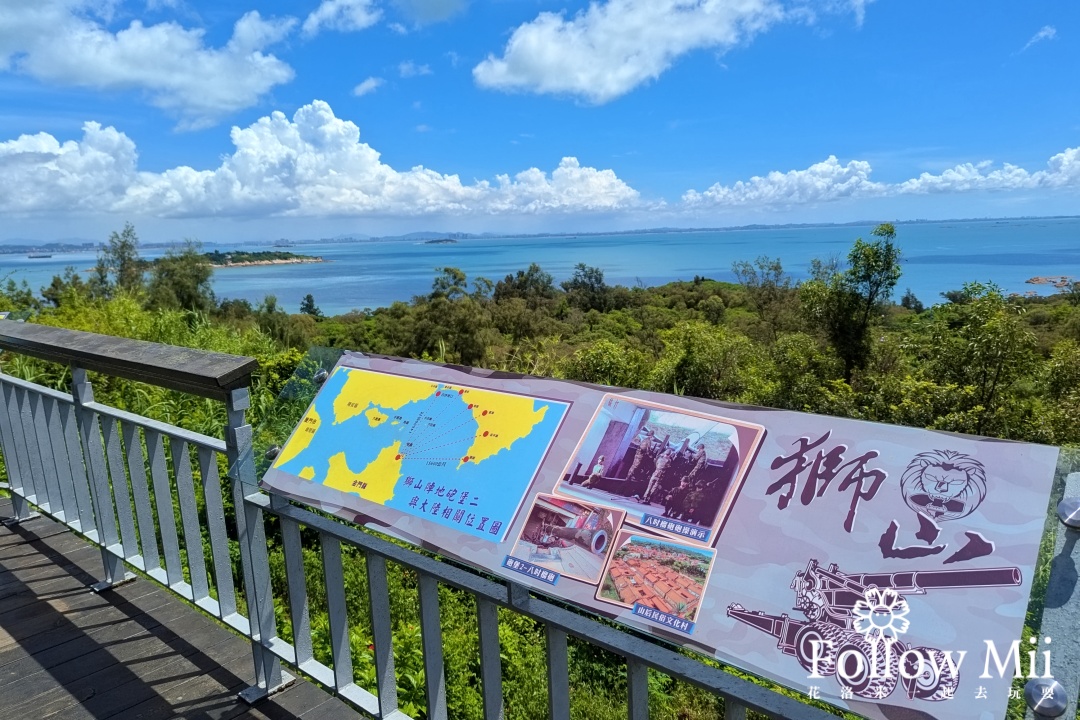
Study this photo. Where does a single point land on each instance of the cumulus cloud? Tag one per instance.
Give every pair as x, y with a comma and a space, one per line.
612, 47
62, 42
1062, 170
1048, 32
823, 182
430, 11
341, 15
310, 165
367, 86
410, 69
829, 181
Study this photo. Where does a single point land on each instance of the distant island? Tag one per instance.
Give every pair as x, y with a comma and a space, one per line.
441, 241
243, 258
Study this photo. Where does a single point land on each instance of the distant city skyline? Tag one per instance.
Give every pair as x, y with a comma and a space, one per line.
247, 121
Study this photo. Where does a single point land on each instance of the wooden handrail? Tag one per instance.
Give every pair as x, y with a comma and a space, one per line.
199, 372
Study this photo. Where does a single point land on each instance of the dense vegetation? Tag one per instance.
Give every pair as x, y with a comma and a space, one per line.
976, 361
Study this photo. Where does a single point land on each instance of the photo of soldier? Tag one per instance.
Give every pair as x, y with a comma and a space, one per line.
661, 462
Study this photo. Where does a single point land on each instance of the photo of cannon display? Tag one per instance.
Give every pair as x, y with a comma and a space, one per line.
570, 537
674, 471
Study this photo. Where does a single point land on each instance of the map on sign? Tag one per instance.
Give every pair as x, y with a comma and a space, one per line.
460, 456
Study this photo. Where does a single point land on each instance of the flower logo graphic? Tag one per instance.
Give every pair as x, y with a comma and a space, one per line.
881, 615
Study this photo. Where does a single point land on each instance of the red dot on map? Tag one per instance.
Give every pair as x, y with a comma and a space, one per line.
438, 394
484, 413
397, 457
465, 459
460, 392
485, 433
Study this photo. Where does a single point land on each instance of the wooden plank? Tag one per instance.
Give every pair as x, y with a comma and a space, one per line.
200, 372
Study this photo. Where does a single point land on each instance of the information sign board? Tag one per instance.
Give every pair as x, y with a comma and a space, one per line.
866, 565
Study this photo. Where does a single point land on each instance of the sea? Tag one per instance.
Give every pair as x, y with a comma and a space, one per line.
936, 257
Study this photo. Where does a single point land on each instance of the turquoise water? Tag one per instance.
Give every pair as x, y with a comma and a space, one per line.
936, 257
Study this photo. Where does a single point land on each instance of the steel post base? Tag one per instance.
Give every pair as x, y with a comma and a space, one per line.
254, 694
9, 521
104, 585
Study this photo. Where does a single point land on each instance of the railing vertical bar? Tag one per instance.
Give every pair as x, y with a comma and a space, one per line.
382, 632
140, 491
487, 616
33, 455
118, 474
336, 607
170, 541
40, 437
62, 463
94, 456
637, 689
12, 457
431, 639
296, 578
77, 466
189, 516
734, 710
219, 539
558, 674
18, 442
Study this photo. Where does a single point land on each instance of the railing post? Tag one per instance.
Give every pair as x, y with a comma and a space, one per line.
251, 533
16, 482
82, 392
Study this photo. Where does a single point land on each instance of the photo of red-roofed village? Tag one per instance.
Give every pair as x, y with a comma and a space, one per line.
656, 573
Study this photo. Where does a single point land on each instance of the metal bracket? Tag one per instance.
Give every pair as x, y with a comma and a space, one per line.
104, 585
254, 694
9, 521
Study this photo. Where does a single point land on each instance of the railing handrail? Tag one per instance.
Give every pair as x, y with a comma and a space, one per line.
199, 372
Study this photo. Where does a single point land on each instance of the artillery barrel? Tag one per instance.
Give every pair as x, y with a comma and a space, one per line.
927, 579
595, 541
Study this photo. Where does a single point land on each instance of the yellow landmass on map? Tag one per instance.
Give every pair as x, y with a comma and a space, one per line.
301, 439
308, 473
363, 390
375, 418
502, 420
375, 482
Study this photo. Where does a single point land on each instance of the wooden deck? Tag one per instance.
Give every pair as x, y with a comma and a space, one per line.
135, 652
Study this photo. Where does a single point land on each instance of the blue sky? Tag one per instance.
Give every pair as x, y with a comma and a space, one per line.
236, 119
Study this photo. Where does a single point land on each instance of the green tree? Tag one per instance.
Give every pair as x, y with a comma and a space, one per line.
533, 285
119, 267
308, 306
65, 288
586, 289
768, 289
704, 361
181, 279
844, 303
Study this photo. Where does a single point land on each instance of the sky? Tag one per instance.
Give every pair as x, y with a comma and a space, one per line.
246, 119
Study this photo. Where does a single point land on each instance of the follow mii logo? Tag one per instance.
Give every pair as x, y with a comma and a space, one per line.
873, 662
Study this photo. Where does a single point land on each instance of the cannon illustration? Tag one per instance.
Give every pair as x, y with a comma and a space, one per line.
594, 540
828, 643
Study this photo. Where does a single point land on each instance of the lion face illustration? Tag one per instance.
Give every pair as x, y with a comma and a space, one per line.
944, 484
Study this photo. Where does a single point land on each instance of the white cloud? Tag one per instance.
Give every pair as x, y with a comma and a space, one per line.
1048, 32
367, 86
410, 69
614, 46
313, 165
829, 180
431, 11
341, 15
398, 28
423, 128
60, 41
1062, 170
823, 182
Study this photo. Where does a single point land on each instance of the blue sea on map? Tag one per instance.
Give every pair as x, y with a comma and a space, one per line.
937, 257
487, 493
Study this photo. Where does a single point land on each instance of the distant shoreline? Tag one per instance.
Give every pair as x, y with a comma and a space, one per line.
290, 261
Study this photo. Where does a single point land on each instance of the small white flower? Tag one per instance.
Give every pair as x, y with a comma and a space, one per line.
881, 614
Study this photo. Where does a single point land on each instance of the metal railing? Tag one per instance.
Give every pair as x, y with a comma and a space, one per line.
150, 495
